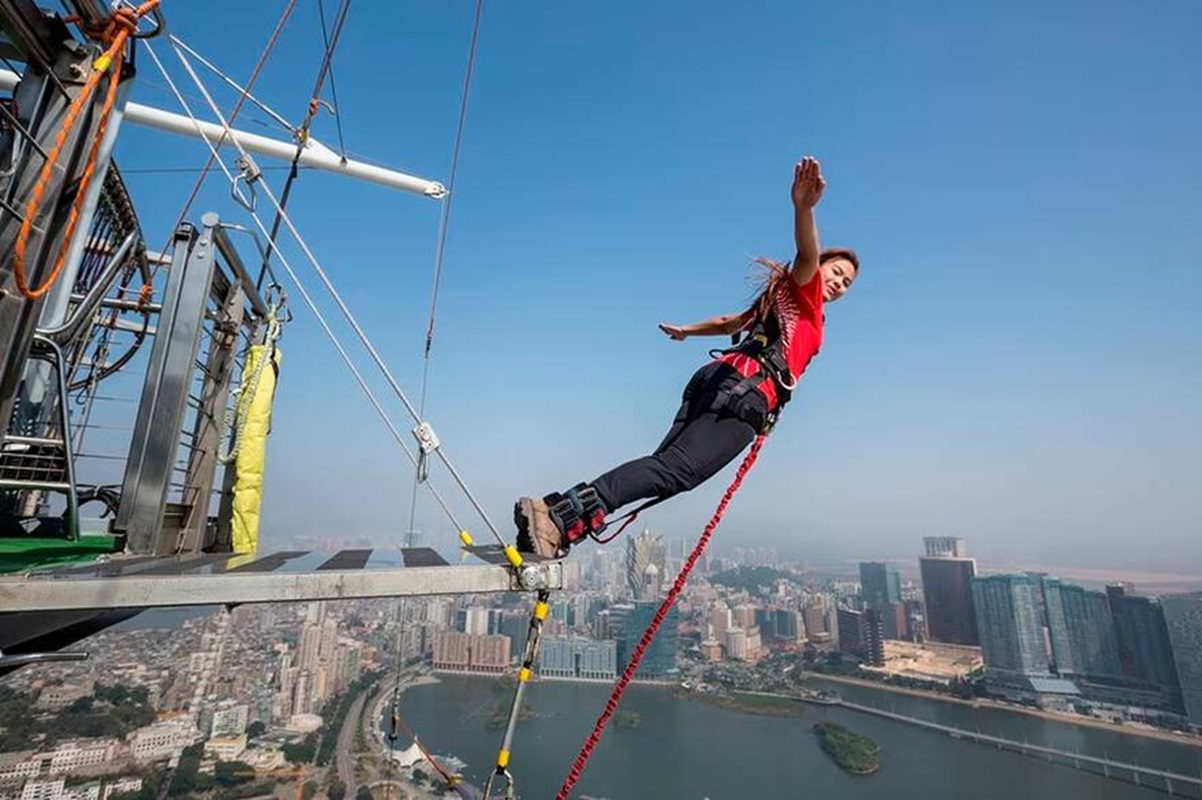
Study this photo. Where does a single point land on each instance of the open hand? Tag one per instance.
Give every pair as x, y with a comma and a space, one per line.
808, 183
676, 332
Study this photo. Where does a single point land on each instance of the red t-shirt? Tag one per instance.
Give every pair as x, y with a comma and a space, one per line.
798, 310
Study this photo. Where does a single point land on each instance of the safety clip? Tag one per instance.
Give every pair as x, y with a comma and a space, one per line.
427, 442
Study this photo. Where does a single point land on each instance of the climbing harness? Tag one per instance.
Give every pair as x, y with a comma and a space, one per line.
611, 705
765, 346
529, 655
122, 25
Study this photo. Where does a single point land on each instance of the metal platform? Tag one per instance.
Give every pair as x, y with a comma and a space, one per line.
296, 576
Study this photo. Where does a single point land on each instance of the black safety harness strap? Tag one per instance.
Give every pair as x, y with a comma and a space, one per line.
763, 344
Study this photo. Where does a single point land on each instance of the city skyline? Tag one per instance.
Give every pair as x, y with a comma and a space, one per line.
252, 686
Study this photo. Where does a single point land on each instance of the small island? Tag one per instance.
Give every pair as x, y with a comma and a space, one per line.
627, 720
854, 753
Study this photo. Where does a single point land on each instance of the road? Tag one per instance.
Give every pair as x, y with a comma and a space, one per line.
346, 742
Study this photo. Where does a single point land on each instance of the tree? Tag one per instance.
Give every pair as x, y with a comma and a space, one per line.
231, 773
336, 790
256, 729
301, 753
188, 778
363, 794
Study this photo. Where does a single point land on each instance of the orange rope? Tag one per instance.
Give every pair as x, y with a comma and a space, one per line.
122, 23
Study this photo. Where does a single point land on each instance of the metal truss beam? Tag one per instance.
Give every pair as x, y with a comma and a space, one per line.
24, 594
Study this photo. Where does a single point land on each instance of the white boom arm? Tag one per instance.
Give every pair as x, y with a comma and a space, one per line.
314, 154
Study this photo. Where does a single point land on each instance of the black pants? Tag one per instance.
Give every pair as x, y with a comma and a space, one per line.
700, 442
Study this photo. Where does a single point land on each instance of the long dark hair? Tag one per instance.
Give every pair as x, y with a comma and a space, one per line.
776, 272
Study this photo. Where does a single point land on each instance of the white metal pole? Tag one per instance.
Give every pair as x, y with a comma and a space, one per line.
314, 154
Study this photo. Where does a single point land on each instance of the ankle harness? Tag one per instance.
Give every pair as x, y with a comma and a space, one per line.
578, 512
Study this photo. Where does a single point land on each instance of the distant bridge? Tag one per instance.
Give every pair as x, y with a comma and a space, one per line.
1172, 783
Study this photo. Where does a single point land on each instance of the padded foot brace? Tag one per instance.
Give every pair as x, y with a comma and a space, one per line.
578, 512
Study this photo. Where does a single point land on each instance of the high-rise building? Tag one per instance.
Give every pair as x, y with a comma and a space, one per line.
947, 590
1081, 631
1145, 651
880, 584
736, 643
646, 565
490, 653
515, 626
495, 615
329, 639
1183, 616
1011, 630
755, 644
765, 620
230, 719
787, 625
309, 651
916, 620
720, 620
814, 616
452, 650
744, 616
945, 547
711, 650
894, 620
861, 635
302, 700
577, 657
475, 620
601, 626
659, 660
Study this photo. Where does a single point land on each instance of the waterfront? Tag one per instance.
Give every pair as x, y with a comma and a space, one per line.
687, 749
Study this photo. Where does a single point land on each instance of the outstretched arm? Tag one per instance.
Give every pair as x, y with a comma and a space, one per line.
714, 326
808, 185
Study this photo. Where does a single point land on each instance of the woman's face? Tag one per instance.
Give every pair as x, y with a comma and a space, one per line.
837, 277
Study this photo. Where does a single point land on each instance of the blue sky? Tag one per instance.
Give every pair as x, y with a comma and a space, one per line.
1018, 364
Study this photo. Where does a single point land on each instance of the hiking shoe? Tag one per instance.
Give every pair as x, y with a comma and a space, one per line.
537, 533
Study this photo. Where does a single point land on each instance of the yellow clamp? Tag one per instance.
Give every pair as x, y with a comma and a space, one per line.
540, 610
515, 558
102, 63
502, 759
524, 674
466, 538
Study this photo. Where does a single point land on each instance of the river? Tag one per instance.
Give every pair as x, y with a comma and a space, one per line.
687, 749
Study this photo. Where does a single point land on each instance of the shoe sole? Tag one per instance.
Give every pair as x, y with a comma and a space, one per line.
528, 541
